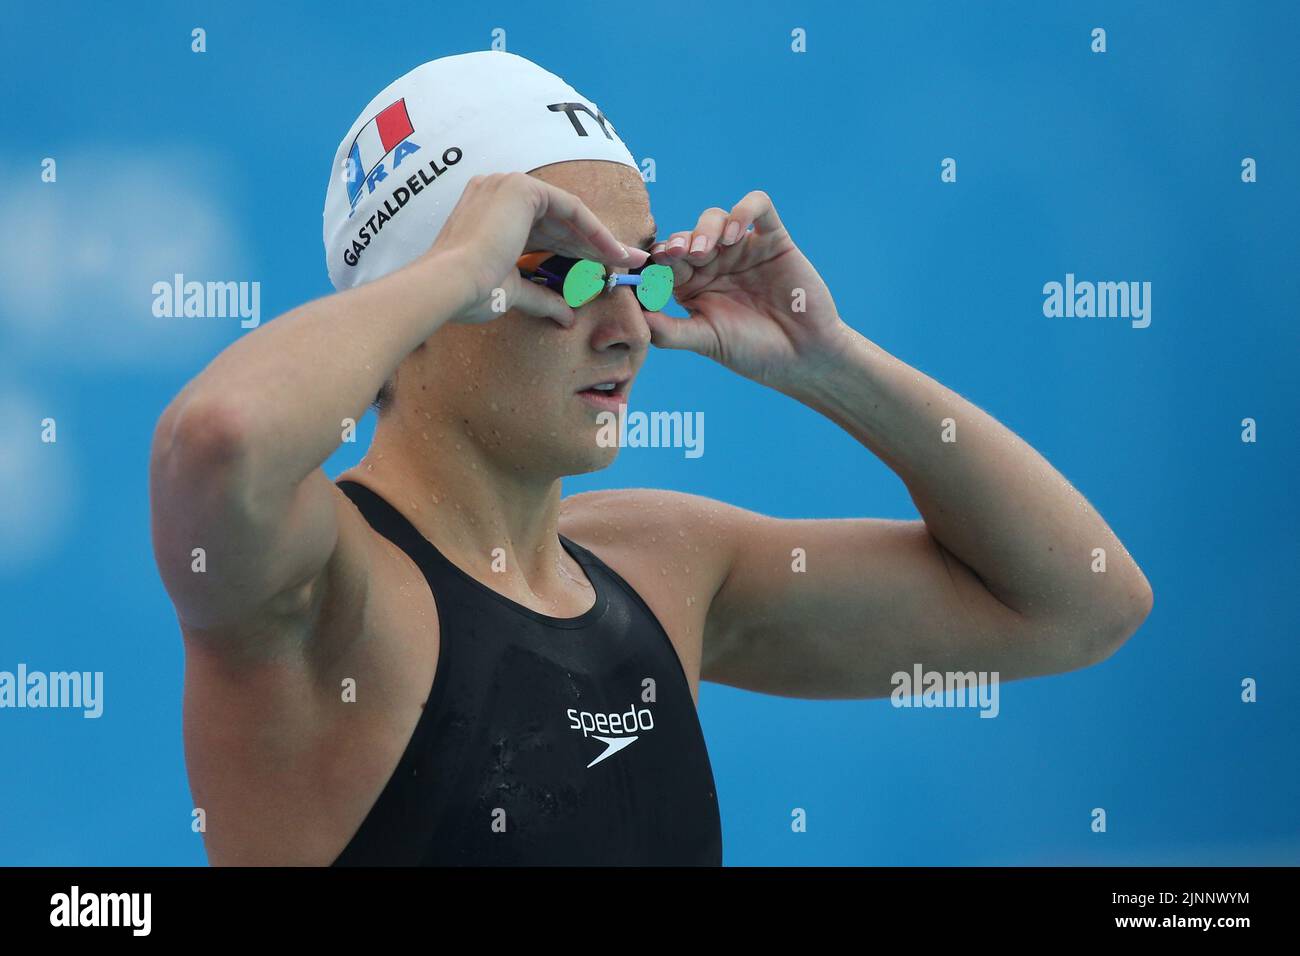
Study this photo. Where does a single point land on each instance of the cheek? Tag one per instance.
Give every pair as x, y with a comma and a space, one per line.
520, 368
529, 358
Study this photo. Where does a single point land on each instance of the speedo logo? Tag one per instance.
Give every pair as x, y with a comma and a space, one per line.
615, 731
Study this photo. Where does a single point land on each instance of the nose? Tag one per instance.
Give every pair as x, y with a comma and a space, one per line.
620, 323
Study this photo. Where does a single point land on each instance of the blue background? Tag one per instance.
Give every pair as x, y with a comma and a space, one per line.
1116, 166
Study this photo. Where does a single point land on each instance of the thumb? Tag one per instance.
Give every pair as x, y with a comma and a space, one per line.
692, 335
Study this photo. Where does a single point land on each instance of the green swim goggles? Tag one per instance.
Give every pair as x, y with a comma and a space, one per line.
581, 280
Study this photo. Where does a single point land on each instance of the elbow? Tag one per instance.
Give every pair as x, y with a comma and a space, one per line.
196, 440
1127, 613
1135, 607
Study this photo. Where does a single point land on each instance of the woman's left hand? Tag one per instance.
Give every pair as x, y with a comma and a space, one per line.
756, 303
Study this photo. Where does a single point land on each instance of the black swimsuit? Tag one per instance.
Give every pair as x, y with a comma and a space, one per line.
551, 741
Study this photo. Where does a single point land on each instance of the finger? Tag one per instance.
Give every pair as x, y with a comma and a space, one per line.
668, 332
672, 253
703, 243
534, 298
755, 209
589, 238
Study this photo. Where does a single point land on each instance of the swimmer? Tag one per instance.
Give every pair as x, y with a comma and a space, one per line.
436, 658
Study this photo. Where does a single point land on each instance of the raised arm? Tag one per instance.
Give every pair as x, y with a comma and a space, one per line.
1002, 572
236, 461
235, 465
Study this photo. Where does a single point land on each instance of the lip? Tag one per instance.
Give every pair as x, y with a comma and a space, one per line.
620, 380
606, 401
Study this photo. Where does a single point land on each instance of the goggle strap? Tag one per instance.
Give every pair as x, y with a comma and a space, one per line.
532, 260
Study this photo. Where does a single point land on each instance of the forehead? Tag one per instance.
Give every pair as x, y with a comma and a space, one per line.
613, 191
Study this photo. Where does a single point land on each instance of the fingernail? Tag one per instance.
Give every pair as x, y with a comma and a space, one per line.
657, 249
733, 230
676, 243
699, 244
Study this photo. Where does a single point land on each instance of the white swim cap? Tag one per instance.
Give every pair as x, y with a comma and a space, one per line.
403, 165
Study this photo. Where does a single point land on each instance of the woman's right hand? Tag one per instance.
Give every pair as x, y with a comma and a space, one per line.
501, 216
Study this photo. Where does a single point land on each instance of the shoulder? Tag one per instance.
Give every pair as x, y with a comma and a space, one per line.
677, 547
642, 517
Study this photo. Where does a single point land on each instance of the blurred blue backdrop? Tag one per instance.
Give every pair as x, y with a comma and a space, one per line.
1117, 166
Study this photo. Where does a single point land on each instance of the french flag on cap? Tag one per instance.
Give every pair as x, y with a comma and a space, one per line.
376, 140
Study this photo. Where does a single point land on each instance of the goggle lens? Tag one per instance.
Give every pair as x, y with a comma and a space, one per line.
581, 280
656, 286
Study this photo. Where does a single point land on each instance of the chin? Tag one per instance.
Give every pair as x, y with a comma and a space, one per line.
588, 458
561, 448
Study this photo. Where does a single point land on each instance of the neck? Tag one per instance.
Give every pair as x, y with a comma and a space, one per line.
469, 502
